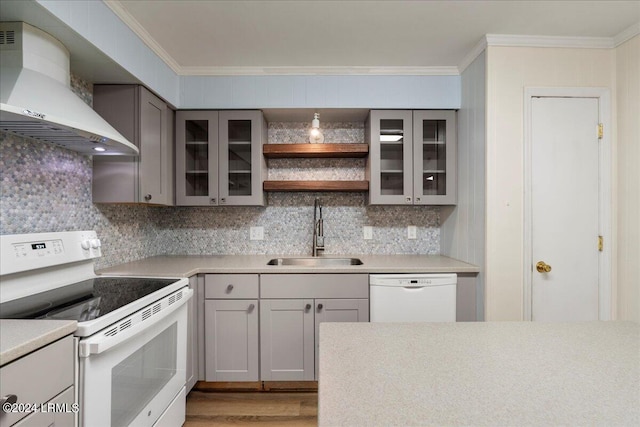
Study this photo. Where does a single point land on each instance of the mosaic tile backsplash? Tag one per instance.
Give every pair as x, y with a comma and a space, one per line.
46, 188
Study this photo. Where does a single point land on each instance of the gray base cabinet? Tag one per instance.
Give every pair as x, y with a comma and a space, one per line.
192, 335
44, 376
292, 306
338, 310
231, 327
287, 332
266, 327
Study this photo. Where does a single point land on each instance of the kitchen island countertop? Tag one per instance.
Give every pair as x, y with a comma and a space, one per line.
189, 265
493, 373
21, 337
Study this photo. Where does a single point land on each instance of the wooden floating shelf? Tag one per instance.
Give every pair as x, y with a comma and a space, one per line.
284, 151
355, 186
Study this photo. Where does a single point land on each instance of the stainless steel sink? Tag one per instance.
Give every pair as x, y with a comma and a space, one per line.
315, 262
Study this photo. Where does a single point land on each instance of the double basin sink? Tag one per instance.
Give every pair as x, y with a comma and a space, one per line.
314, 261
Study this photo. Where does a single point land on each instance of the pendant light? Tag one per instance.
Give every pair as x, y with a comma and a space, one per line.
315, 135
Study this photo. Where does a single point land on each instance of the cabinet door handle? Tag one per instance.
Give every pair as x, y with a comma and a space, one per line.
223, 201
408, 199
9, 398
147, 197
251, 307
418, 199
307, 307
213, 201
320, 307
229, 288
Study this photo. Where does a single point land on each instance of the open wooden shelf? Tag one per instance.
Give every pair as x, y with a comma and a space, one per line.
355, 186
285, 151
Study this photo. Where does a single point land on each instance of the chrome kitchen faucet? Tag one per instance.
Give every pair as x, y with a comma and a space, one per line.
318, 232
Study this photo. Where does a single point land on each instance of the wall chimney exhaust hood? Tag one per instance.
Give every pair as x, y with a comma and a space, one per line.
36, 97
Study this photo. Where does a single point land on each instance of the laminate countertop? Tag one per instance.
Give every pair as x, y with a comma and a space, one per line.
486, 373
189, 265
20, 337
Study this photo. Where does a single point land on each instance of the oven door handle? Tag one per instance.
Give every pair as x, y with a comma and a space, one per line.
106, 339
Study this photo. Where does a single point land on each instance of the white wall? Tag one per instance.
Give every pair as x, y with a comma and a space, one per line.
462, 233
509, 71
628, 194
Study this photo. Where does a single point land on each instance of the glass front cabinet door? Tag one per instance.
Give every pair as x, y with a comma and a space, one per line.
242, 166
434, 157
411, 157
196, 158
219, 158
389, 167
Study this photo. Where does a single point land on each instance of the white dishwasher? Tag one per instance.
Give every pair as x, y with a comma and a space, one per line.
412, 297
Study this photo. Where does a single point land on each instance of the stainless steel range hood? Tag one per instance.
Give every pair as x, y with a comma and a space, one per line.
37, 101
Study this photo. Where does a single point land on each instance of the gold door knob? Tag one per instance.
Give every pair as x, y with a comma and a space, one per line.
543, 267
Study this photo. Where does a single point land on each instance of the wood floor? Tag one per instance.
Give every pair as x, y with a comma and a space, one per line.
207, 408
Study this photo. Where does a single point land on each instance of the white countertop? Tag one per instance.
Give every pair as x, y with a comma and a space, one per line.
189, 265
20, 337
495, 373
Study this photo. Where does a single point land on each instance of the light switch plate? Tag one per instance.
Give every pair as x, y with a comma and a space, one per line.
367, 232
256, 233
412, 232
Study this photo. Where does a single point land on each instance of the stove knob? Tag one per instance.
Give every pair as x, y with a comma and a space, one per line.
95, 243
86, 244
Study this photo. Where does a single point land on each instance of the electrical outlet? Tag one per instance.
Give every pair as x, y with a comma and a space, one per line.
367, 232
256, 233
412, 232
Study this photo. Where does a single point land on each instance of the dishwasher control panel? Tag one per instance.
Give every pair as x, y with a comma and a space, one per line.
401, 280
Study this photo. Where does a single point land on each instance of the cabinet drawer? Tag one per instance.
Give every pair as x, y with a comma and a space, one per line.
314, 286
38, 377
231, 286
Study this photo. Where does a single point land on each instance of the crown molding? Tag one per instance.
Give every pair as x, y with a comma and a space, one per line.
324, 71
480, 47
117, 8
549, 41
627, 34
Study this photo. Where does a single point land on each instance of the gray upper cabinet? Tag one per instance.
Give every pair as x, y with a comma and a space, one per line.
434, 157
148, 122
412, 157
196, 158
389, 166
219, 158
242, 165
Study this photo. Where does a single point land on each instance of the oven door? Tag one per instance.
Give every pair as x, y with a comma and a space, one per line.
131, 377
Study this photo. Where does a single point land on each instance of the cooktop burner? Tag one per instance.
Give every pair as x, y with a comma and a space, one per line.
82, 301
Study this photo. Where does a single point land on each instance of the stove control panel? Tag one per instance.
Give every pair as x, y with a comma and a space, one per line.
23, 252
40, 249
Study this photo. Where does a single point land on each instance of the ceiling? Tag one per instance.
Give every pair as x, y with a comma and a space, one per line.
254, 37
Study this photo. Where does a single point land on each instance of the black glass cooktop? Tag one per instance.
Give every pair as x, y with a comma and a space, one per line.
84, 300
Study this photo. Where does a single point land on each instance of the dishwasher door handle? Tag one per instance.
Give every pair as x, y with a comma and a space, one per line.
414, 287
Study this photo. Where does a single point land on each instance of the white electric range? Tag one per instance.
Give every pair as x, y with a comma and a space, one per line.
131, 338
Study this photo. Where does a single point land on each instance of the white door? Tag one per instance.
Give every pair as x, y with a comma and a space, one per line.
564, 209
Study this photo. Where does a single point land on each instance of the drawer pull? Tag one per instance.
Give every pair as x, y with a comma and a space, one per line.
9, 398
320, 307
229, 288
